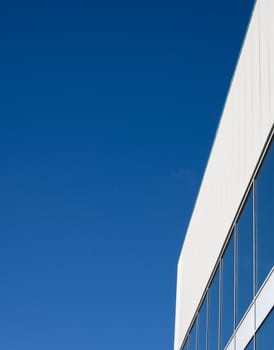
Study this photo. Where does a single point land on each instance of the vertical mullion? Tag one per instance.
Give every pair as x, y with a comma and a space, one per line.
235, 279
220, 306
254, 256
197, 331
207, 317
235, 275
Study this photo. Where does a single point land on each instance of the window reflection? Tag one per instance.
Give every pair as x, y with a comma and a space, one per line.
250, 346
228, 293
265, 217
245, 259
192, 338
202, 320
265, 335
213, 326
185, 346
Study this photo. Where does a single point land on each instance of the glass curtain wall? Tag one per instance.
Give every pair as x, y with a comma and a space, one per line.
213, 320
265, 217
228, 292
247, 260
250, 346
192, 338
185, 346
245, 264
265, 334
202, 326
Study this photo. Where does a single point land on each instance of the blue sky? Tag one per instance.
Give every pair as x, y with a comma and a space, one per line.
108, 113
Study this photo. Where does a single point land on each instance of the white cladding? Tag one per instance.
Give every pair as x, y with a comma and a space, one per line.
244, 127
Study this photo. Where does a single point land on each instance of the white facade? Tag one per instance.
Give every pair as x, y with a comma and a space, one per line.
244, 130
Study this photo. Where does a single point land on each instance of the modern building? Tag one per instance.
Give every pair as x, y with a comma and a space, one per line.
225, 277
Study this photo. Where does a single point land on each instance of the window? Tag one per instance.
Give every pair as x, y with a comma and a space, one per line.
245, 264
250, 346
265, 217
192, 338
213, 322
233, 287
185, 346
228, 293
202, 324
265, 334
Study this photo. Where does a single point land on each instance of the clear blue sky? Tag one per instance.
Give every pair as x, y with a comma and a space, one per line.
108, 111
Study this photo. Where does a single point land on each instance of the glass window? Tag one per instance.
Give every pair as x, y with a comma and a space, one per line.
213, 324
265, 334
245, 270
228, 293
186, 345
202, 320
250, 346
265, 217
192, 338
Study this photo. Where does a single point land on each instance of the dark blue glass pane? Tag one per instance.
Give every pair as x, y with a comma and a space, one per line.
265, 335
228, 293
245, 259
250, 346
265, 217
192, 338
202, 326
213, 326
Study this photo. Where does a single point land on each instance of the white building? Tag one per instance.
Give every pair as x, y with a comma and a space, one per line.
225, 276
